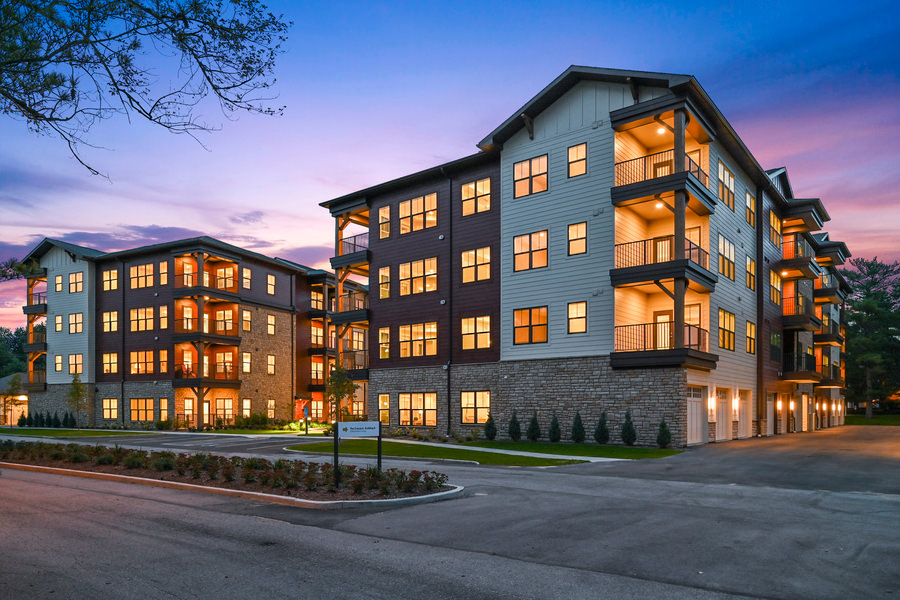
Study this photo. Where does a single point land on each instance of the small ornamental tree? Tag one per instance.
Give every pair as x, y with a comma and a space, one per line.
664, 437
555, 434
490, 428
10, 397
29, 420
577, 429
77, 395
534, 428
23, 420
56, 422
39, 420
601, 432
515, 431
66, 420
338, 389
629, 435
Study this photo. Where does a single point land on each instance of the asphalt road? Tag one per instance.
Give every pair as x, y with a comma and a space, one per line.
807, 516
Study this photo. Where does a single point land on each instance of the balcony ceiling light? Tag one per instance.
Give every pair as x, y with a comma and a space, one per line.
661, 130
659, 205
784, 273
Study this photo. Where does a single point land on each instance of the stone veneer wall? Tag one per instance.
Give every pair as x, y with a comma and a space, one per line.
53, 400
562, 386
161, 391
258, 385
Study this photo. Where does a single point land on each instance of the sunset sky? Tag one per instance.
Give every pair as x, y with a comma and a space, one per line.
373, 92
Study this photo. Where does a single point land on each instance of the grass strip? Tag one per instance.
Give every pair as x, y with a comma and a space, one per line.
893, 420
400, 450
594, 450
67, 433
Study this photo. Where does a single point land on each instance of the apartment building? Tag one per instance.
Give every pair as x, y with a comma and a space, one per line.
612, 247
195, 331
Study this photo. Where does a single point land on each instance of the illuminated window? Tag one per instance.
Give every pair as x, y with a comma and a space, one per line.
384, 282
384, 409
141, 319
110, 408
270, 284
142, 409
418, 213
245, 320
726, 330
270, 324
530, 176
530, 251
111, 363
775, 228
317, 334
751, 210
140, 276
245, 407
163, 361
270, 364
141, 362
58, 363
76, 282
224, 321
384, 222
317, 370
577, 317
577, 238
163, 273
163, 317
774, 287
577, 160
419, 339
58, 283
476, 265
76, 363
270, 409
317, 300
726, 258
476, 333
245, 362
418, 410
418, 276
358, 339
476, 197
751, 273
245, 278
476, 406
384, 342
76, 322
225, 278
530, 325
110, 280
751, 338
726, 186
58, 323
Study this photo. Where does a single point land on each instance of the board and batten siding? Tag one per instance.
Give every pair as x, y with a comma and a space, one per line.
579, 116
63, 343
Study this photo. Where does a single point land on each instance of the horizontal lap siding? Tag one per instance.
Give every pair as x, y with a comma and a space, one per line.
63, 343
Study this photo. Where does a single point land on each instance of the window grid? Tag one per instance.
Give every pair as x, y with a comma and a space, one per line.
163, 273
270, 284
142, 409
270, 364
418, 213
418, 276
110, 280
58, 283
774, 287
384, 409
530, 251
246, 318
76, 363
726, 186
384, 282
577, 160
475, 406
140, 276
76, 322
141, 362
577, 238
384, 342
751, 273
111, 363
246, 278
164, 361
577, 317
418, 339
476, 264
384, 222
418, 409
58, 323
750, 215
270, 324
163, 317
141, 319
110, 408
476, 333
775, 226
476, 196
530, 176
726, 258
246, 359
317, 334
726, 330
76, 282
58, 363
751, 337
530, 325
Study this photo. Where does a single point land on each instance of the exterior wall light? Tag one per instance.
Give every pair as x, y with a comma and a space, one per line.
792, 406
778, 405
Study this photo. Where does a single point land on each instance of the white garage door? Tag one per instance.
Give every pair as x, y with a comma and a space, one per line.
696, 416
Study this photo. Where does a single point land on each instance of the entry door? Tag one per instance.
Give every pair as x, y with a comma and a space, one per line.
745, 416
723, 414
770, 415
206, 412
662, 249
662, 325
696, 416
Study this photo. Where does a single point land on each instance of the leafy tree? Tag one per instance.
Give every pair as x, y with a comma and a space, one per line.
12, 351
490, 428
873, 331
554, 434
10, 396
577, 429
77, 395
664, 437
515, 430
601, 432
338, 389
66, 65
533, 433
14, 269
629, 435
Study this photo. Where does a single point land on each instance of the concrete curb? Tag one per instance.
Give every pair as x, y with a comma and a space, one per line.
272, 498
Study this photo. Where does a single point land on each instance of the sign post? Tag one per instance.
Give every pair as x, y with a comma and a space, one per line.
355, 429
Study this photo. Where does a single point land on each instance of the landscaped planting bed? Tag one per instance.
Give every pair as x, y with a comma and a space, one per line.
295, 478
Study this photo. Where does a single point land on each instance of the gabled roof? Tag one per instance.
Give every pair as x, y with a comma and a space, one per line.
76, 252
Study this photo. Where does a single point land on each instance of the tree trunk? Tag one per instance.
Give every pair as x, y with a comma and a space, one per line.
868, 393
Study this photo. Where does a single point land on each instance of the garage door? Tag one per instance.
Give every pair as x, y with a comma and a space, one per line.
723, 414
696, 416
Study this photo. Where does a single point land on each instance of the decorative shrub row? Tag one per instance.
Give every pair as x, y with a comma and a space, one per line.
601, 431
282, 473
45, 419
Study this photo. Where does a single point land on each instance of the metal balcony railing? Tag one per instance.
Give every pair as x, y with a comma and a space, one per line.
831, 326
658, 336
355, 359
795, 306
219, 371
658, 250
353, 301
825, 280
830, 372
799, 362
37, 298
796, 247
223, 283
655, 165
354, 243
217, 327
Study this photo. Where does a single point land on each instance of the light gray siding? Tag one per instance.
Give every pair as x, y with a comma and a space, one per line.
62, 343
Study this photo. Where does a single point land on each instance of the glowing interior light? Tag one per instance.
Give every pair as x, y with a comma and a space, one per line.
659, 205
779, 405
792, 405
784, 273
661, 130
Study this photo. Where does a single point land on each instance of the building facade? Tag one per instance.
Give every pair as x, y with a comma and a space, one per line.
613, 247
195, 332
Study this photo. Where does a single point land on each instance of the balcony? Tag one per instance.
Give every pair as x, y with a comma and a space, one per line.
221, 331
36, 304
832, 377
655, 174
353, 307
797, 313
36, 342
37, 380
829, 334
222, 375
653, 345
352, 251
800, 368
827, 290
356, 363
208, 285
650, 260
798, 259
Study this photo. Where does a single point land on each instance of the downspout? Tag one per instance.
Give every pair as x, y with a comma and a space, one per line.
122, 337
449, 364
295, 328
761, 406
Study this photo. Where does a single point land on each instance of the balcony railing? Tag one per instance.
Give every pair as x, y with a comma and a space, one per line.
796, 306
657, 250
37, 337
832, 327
355, 359
353, 301
223, 283
796, 247
658, 336
655, 165
37, 298
799, 362
830, 372
354, 243
217, 327
825, 280
37, 376
220, 371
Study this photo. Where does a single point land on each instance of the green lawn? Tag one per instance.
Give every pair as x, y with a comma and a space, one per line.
578, 449
63, 433
398, 449
875, 420
254, 431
